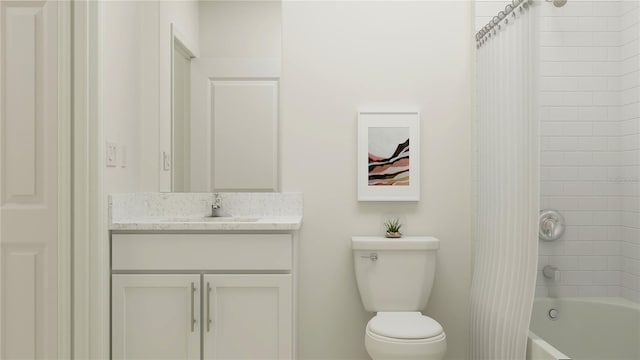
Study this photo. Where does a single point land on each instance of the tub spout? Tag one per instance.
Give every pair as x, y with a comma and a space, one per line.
551, 272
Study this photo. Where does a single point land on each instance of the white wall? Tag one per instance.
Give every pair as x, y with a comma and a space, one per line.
240, 29
129, 94
339, 57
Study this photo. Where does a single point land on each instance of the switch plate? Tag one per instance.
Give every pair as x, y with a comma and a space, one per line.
166, 161
112, 154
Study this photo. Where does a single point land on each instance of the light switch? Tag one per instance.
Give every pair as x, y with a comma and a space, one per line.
166, 161
112, 154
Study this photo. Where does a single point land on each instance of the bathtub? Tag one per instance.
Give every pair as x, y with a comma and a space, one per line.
584, 329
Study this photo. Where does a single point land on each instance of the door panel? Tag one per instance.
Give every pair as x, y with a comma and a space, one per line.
250, 317
152, 316
28, 179
229, 96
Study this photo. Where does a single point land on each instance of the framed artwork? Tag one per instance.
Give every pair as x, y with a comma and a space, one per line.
388, 156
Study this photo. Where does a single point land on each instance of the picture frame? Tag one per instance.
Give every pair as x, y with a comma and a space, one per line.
388, 159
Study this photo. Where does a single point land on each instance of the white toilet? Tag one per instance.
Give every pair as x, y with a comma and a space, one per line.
394, 278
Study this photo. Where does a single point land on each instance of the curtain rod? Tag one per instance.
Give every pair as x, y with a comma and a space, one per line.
486, 31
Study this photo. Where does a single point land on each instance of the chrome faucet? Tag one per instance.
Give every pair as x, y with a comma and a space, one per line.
551, 272
217, 205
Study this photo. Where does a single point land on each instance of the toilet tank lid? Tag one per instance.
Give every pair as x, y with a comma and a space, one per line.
403, 243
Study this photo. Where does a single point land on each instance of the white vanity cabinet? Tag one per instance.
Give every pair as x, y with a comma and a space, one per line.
154, 316
247, 316
202, 296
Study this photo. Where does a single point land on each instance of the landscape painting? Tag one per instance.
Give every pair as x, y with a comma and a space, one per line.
389, 156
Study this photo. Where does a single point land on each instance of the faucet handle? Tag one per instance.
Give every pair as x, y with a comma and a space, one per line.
217, 201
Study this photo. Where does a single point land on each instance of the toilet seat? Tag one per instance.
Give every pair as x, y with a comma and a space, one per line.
404, 335
408, 326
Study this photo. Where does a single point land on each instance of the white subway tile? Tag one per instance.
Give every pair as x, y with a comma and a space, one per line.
551, 248
631, 250
551, 188
614, 291
605, 158
588, 53
559, 143
606, 278
606, 98
592, 262
614, 263
563, 262
589, 23
630, 127
593, 291
560, 53
608, 218
548, 128
551, 158
576, 278
613, 233
564, 291
577, 128
606, 128
592, 114
589, 233
593, 173
606, 38
563, 173
593, 84
605, 248
559, 84
591, 144
632, 266
578, 189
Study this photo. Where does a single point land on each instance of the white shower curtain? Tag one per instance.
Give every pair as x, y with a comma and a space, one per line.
506, 188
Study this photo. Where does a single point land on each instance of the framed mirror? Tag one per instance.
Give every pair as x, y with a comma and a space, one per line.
225, 99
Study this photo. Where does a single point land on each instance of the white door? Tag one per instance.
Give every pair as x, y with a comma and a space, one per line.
248, 317
228, 98
29, 179
155, 317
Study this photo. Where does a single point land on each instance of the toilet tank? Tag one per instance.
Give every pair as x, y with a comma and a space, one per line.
394, 274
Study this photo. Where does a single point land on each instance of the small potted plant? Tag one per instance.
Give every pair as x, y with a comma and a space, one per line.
393, 228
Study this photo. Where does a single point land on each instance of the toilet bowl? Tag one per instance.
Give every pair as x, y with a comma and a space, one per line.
404, 335
395, 277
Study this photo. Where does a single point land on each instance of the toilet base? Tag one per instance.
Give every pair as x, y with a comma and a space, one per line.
385, 348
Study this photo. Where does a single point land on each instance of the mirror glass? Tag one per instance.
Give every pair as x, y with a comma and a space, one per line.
225, 79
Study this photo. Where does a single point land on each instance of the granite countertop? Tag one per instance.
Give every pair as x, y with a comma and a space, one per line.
189, 211
282, 223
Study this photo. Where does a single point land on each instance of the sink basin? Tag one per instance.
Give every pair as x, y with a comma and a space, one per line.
208, 219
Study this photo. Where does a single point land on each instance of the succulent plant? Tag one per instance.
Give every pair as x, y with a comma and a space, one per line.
393, 225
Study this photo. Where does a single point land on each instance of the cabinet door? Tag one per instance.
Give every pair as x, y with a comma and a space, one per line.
248, 317
155, 317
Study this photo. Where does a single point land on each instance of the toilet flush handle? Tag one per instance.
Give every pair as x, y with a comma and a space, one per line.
372, 256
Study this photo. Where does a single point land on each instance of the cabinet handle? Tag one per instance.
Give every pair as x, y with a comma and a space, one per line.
208, 307
193, 317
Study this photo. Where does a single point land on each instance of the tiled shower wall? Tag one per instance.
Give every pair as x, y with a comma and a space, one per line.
629, 174
589, 142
